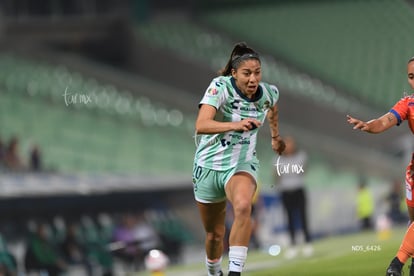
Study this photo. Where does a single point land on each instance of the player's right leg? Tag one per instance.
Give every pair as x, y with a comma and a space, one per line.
213, 216
211, 203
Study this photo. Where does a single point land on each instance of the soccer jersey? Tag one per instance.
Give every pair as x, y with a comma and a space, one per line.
404, 110
223, 151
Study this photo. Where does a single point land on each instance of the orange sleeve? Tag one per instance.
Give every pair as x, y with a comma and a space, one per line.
400, 109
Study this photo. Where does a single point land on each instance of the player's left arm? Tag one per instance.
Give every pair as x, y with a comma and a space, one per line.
378, 125
278, 145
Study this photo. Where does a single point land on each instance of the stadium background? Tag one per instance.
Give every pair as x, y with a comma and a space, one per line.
138, 70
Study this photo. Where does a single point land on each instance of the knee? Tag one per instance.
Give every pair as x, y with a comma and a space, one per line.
216, 235
242, 208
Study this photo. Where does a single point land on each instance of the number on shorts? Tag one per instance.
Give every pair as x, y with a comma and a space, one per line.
197, 172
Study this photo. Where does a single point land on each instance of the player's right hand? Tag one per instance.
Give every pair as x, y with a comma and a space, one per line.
248, 124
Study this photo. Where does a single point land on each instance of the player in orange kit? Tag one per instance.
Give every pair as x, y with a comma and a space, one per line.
402, 110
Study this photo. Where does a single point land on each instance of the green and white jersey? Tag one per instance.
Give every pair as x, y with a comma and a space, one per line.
223, 151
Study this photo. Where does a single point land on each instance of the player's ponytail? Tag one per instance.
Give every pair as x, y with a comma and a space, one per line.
241, 52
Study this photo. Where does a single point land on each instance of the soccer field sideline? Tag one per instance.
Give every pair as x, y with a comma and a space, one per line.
331, 250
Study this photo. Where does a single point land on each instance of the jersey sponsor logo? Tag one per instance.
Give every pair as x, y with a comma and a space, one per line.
237, 106
235, 140
248, 108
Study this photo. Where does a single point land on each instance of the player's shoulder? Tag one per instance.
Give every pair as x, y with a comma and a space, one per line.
219, 84
220, 81
407, 99
270, 88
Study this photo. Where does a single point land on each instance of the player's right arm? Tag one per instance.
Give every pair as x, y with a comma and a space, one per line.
205, 123
378, 125
398, 113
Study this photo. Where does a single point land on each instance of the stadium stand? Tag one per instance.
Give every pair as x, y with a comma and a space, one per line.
113, 139
361, 47
195, 42
120, 121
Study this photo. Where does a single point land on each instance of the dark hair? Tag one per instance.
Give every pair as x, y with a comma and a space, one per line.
241, 52
411, 59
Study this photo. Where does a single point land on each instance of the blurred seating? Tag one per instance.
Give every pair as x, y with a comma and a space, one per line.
8, 262
192, 41
349, 44
129, 133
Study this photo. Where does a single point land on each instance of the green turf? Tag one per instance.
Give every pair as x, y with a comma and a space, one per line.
332, 256
357, 254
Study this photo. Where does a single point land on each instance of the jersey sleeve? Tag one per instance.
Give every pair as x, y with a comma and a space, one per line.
275, 93
272, 93
214, 94
400, 109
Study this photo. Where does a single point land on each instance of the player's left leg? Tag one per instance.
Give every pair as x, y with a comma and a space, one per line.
405, 252
409, 187
406, 249
240, 190
411, 217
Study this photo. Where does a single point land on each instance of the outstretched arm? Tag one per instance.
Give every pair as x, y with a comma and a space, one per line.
273, 117
378, 125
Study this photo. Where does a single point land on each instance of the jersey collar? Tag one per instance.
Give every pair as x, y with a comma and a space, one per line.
256, 96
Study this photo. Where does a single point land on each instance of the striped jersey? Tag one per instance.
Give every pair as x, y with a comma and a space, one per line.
223, 151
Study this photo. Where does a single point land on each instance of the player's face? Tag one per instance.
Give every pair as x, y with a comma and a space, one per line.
410, 69
248, 76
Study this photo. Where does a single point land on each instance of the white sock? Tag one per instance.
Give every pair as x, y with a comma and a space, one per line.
213, 268
237, 258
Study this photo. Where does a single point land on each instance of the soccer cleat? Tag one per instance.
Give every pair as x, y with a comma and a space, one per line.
412, 268
395, 268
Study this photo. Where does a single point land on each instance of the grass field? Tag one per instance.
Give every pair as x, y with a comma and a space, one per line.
353, 255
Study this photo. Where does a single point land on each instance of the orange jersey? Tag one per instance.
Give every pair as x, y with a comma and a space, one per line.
404, 110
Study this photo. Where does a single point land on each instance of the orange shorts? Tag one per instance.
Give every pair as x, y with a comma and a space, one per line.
409, 184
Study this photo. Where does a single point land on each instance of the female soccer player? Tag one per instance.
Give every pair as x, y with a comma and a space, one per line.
402, 110
231, 112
